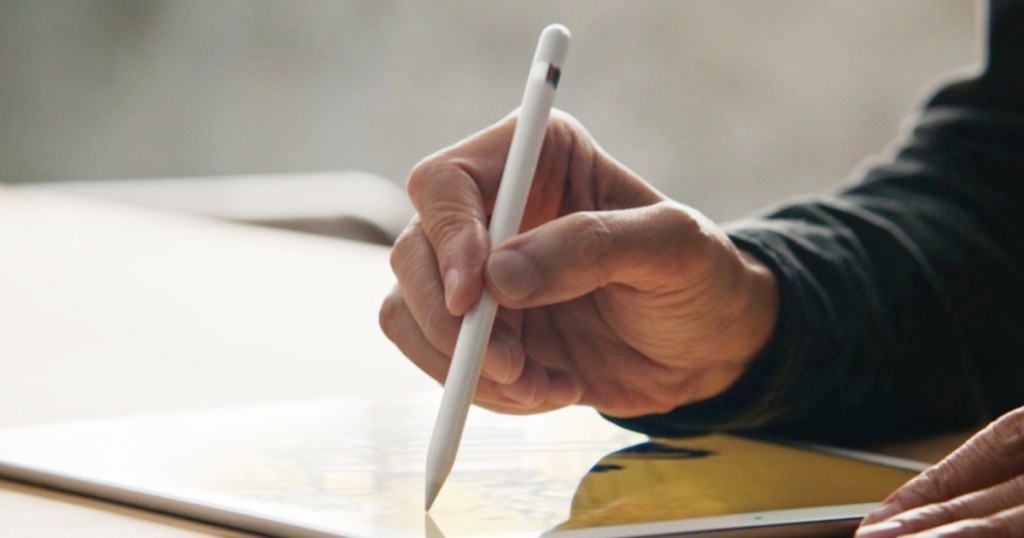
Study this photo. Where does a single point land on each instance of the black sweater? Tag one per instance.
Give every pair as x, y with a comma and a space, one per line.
902, 310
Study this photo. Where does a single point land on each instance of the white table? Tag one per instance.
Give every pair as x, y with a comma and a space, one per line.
110, 310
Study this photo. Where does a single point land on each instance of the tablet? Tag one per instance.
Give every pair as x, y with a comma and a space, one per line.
354, 469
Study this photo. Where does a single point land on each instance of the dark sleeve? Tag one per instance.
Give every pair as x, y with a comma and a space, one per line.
901, 296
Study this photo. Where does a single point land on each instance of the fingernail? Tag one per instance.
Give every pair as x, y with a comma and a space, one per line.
512, 274
885, 529
451, 281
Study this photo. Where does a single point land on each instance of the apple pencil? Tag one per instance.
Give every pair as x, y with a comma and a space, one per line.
505, 221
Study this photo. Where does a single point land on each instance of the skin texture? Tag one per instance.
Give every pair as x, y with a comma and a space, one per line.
612, 295
977, 491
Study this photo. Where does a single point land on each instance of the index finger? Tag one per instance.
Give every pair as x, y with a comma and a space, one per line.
993, 455
453, 191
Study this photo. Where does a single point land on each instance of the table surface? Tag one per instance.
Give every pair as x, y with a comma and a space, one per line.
112, 310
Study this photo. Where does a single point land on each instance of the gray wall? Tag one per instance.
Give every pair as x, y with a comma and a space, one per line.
724, 104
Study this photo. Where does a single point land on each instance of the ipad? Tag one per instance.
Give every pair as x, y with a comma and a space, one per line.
354, 469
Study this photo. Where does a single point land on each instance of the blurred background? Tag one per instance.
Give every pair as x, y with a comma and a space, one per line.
726, 105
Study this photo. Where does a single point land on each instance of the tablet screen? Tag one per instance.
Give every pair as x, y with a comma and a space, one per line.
355, 468
715, 475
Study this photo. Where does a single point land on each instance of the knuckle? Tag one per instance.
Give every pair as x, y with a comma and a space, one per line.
447, 224
404, 253
942, 481
678, 217
1000, 440
687, 229
930, 516
917, 492
563, 131
592, 239
443, 191
564, 120
420, 176
556, 152
1008, 430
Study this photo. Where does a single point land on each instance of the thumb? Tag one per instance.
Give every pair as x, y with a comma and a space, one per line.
650, 248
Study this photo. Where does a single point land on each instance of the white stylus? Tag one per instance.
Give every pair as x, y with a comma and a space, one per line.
505, 221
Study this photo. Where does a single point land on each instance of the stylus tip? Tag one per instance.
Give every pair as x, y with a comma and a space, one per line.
433, 488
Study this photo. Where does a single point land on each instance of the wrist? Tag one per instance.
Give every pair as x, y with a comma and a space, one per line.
760, 310
749, 312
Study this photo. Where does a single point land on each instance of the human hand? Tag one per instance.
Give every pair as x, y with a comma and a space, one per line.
977, 491
612, 295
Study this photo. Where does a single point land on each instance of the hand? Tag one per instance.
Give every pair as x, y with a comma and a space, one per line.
977, 491
612, 296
